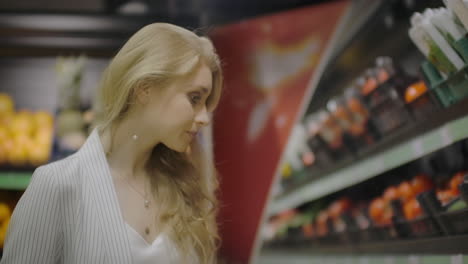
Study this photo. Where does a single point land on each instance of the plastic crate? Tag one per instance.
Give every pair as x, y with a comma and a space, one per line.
424, 106
456, 222
423, 227
449, 91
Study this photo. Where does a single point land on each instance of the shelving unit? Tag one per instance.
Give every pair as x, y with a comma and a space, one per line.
399, 151
440, 245
442, 134
282, 256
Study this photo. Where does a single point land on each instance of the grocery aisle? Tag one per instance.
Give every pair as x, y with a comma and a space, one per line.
342, 137
376, 170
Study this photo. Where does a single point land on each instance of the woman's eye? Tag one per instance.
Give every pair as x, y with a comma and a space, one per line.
195, 98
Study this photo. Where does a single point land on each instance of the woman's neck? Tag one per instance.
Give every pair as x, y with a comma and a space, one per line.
127, 149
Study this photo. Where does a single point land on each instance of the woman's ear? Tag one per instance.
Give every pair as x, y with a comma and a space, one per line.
142, 93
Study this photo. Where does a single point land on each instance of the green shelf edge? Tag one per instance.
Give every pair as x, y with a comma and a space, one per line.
289, 257
368, 168
15, 180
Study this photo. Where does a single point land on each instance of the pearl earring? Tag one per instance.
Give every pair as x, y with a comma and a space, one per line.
135, 137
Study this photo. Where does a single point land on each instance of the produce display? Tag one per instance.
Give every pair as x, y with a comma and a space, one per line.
440, 35
381, 101
403, 209
5, 215
25, 137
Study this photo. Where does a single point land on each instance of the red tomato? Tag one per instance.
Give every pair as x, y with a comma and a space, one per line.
376, 209
288, 214
322, 227
308, 230
339, 207
390, 194
322, 217
387, 215
412, 209
405, 191
421, 183
456, 180
446, 196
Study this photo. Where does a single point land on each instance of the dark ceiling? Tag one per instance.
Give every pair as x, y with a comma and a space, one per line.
192, 13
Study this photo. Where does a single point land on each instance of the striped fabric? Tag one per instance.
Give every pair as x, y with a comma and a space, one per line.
69, 214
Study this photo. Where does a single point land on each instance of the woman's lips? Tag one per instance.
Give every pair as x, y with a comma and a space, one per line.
192, 134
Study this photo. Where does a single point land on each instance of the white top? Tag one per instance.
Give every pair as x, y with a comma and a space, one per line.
160, 251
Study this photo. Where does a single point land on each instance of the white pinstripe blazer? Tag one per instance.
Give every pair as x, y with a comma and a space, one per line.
69, 214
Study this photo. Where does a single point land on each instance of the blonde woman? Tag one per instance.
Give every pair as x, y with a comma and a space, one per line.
139, 191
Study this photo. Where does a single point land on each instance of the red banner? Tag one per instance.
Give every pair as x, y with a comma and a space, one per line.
268, 63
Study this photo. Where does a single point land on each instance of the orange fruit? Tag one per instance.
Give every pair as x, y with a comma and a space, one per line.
308, 230
406, 191
390, 194
421, 183
376, 209
414, 91
412, 209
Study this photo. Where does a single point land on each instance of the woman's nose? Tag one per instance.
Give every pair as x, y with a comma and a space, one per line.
203, 117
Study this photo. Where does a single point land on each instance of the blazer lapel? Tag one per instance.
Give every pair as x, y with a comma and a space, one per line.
98, 179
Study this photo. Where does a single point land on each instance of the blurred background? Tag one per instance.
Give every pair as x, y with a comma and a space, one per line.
341, 137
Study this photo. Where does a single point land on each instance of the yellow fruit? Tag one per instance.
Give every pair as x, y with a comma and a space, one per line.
3, 231
4, 134
17, 156
3, 155
22, 140
6, 118
22, 124
5, 212
44, 136
286, 171
6, 103
38, 154
2, 237
43, 119
6, 223
8, 145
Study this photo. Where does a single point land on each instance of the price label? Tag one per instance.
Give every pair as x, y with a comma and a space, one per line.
456, 259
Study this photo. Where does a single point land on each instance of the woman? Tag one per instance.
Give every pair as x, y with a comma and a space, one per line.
139, 190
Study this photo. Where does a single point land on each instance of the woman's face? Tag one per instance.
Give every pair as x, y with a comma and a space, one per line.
175, 114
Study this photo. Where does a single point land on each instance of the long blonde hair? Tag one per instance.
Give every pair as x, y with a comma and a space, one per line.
185, 184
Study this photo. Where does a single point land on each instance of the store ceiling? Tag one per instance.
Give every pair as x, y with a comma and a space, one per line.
202, 12
99, 27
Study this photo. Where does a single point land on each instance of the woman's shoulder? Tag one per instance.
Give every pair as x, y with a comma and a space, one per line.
62, 174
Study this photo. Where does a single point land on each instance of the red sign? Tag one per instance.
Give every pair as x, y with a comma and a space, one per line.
268, 63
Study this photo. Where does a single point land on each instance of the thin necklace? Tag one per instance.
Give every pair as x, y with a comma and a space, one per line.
145, 198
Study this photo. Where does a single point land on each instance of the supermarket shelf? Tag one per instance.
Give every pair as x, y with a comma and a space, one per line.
439, 245
427, 140
281, 257
14, 180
